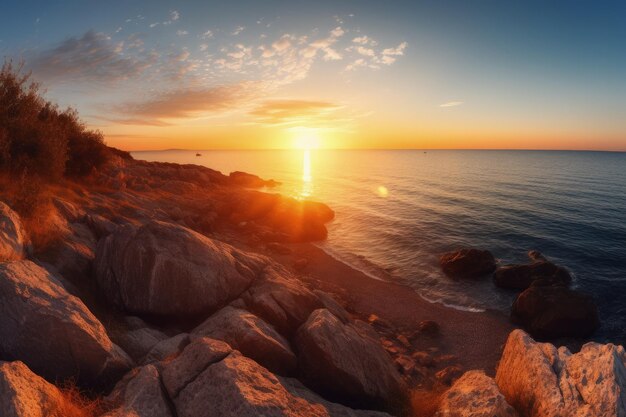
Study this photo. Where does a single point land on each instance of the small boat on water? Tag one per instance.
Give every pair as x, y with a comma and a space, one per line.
198, 154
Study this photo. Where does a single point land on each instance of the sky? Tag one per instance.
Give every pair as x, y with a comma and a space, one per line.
154, 74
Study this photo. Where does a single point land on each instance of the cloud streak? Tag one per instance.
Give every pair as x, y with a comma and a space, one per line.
451, 104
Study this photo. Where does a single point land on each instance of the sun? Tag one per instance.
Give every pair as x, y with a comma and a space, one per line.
306, 139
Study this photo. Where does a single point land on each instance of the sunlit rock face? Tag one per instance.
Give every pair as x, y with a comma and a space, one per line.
540, 380
12, 234
24, 394
476, 395
169, 270
346, 362
52, 331
252, 336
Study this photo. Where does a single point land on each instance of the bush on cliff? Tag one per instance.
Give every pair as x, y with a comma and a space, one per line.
37, 139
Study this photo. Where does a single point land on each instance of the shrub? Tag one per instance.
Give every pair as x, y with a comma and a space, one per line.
39, 140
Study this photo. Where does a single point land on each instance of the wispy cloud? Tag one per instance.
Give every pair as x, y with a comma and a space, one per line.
238, 30
294, 112
451, 104
188, 103
91, 57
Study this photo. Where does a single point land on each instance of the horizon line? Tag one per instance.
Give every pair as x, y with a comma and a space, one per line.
379, 149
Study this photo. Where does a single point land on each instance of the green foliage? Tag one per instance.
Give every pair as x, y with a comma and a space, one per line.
39, 140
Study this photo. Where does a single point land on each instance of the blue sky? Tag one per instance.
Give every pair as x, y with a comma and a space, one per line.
360, 73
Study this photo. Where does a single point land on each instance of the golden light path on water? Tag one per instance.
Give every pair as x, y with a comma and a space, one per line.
307, 177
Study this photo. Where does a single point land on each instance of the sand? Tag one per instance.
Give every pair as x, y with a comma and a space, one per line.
475, 338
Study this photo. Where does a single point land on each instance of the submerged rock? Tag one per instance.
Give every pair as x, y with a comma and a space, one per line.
347, 363
549, 311
252, 337
476, 395
169, 270
12, 234
540, 380
520, 277
467, 263
52, 331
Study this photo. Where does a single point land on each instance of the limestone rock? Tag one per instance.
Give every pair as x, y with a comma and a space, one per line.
540, 380
474, 395
24, 394
52, 331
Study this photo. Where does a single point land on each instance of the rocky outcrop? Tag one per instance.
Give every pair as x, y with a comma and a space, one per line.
540, 380
169, 270
467, 263
12, 235
346, 362
208, 378
520, 277
243, 179
281, 300
476, 395
549, 311
52, 331
252, 336
137, 338
24, 394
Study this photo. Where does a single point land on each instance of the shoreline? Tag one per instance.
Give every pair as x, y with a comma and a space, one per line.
472, 340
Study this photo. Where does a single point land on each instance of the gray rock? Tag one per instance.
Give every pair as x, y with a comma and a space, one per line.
140, 394
208, 380
347, 363
169, 270
252, 336
167, 348
52, 331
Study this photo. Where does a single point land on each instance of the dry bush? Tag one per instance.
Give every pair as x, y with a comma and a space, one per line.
75, 403
37, 138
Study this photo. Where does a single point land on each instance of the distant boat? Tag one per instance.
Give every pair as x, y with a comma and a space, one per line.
198, 154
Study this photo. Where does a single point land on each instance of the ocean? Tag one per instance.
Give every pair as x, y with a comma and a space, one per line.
398, 210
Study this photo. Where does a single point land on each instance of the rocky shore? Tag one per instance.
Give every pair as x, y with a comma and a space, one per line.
172, 290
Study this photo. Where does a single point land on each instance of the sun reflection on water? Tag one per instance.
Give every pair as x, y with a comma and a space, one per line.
307, 178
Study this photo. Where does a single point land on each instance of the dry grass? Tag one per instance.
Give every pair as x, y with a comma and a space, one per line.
75, 403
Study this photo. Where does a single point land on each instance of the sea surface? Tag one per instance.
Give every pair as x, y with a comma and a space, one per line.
397, 211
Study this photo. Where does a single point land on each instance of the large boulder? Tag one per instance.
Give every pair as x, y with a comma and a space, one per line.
169, 270
12, 234
346, 363
281, 300
252, 336
549, 311
476, 395
24, 394
467, 263
209, 379
540, 380
520, 277
52, 331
